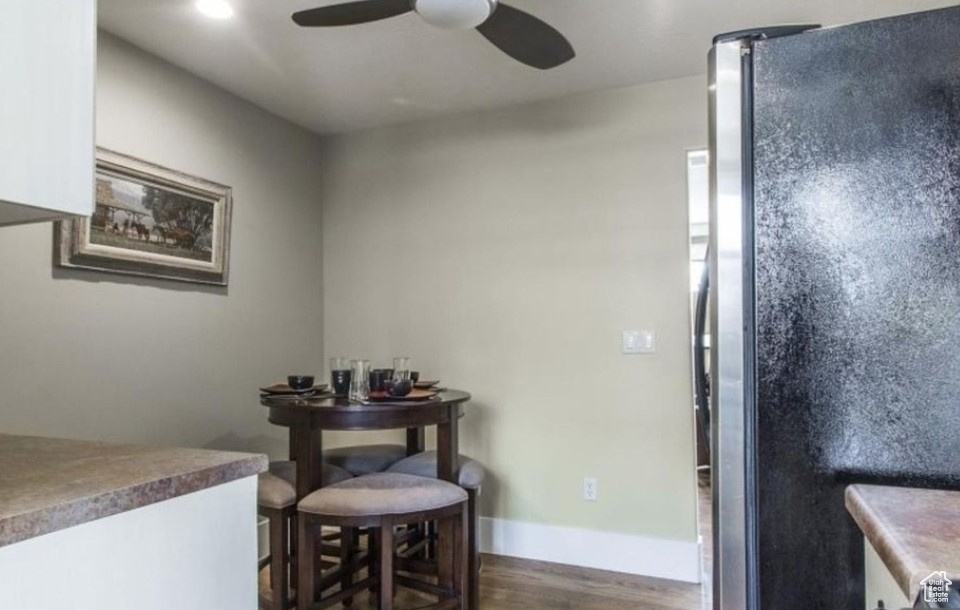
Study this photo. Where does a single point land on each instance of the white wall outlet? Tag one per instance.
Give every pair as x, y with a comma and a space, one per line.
590, 489
639, 342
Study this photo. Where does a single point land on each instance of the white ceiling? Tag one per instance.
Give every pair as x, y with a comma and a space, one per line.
401, 69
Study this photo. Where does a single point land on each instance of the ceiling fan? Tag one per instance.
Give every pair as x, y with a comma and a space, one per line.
518, 34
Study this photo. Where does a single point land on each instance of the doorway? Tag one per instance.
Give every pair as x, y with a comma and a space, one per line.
698, 202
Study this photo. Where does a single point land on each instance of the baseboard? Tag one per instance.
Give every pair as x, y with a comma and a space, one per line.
639, 555
671, 559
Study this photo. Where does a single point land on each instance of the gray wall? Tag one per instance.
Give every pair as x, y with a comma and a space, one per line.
505, 251
97, 356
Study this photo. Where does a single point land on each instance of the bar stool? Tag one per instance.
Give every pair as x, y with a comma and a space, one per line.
383, 501
359, 460
365, 459
277, 501
470, 477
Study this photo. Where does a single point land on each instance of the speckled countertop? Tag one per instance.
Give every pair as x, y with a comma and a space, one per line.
914, 531
51, 484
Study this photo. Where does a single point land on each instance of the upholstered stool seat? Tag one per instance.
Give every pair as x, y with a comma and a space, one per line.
287, 471
277, 500
382, 494
274, 492
382, 501
424, 464
470, 477
365, 459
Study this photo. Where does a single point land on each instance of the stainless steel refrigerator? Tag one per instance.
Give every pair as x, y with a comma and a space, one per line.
835, 290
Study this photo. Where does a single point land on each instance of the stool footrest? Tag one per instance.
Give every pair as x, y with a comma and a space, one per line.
424, 587
266, 603
334, 576
338, 597
413, 549
416, 566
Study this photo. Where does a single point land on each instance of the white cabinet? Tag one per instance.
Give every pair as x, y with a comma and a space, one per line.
879, 582
192, 552
47, 77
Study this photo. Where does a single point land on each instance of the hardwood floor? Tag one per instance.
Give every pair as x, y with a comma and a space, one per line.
508, 584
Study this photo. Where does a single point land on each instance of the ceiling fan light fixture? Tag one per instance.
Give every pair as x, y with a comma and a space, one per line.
215, 9
455, 14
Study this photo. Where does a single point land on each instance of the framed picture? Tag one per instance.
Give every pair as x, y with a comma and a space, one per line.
150, 221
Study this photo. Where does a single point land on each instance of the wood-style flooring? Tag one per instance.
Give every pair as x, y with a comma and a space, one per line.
510, 584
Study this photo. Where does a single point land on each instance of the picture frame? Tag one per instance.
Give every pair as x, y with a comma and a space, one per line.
150, 221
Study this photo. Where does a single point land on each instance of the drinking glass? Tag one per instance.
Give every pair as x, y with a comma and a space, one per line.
401, 368
359, 380
340, 376
377, 379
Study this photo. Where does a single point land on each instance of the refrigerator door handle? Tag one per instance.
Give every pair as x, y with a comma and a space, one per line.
734, 563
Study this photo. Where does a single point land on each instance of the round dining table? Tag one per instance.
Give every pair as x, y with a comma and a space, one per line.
307, 418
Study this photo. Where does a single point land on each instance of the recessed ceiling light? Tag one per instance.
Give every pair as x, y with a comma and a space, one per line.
215, 9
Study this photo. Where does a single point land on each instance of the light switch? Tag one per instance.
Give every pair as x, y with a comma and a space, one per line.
639, 342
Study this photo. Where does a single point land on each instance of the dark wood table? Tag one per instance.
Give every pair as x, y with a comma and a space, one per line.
307, 419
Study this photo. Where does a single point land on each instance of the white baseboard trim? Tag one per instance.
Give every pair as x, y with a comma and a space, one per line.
671, 559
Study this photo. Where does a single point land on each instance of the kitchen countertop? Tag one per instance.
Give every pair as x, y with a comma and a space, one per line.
49, 484
914, 531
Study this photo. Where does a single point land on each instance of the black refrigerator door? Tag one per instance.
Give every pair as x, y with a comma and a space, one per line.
857, 287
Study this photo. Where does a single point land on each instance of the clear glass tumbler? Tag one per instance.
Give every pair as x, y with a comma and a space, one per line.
401, 368
359, 380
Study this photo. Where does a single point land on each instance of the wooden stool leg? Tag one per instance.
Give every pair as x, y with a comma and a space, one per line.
461, 576
373, 545
347, 541
306, 550
445, 551
422, 536
473, 544
293, 533
279, 558
386, 565
431, 548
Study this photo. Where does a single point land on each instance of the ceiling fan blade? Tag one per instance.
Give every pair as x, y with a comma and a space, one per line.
526, 39
352, 13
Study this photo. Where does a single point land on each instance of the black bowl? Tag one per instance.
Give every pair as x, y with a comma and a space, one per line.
300, 382
399, 387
